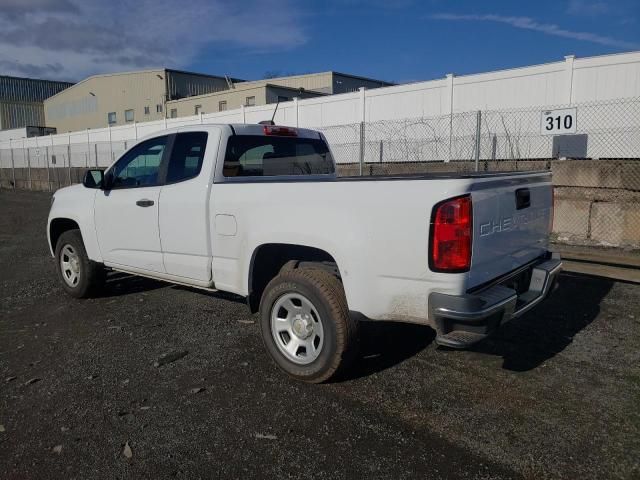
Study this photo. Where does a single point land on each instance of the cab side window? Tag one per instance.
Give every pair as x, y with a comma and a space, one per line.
186, 156
141, 165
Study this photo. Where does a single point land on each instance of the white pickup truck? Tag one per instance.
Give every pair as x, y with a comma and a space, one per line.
257, 210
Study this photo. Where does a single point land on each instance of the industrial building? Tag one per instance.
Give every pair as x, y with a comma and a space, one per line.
272, 90
21, 101
245, 94
123, 98
327, 82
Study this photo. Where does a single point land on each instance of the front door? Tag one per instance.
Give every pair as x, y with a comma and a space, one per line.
126, 215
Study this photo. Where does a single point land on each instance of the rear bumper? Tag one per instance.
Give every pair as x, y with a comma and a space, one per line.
466, 319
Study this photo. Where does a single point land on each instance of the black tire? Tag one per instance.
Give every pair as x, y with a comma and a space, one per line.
340, 331
91, 274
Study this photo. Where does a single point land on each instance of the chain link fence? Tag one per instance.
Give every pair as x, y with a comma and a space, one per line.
593, 150
490, 140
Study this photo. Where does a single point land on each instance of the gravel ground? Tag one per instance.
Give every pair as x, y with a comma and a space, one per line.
555, 394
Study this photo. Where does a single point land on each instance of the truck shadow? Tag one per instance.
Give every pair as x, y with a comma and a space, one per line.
119, 284
527, 342
386, 344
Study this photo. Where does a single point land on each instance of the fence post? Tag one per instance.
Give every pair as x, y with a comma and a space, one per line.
46, 152
13, 168
450, 92
201, 122
110, 147
54, 162
87, 158
569, 62
478, 131
244, 116
95, 148
28, 165
295, 109
69, 159
361, 148
494, 146
363, 118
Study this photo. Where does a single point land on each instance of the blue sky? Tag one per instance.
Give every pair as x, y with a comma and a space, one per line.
399, 41
415, 40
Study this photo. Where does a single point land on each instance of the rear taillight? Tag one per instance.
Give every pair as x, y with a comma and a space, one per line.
280, 131
451, 230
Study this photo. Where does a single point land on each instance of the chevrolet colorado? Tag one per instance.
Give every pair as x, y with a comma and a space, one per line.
257, 210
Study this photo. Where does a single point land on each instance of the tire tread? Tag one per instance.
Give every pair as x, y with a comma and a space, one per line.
330, 289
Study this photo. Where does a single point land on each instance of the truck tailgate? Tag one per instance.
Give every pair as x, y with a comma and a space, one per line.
512, 218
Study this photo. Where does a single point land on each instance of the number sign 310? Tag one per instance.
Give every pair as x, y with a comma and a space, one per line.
558, 122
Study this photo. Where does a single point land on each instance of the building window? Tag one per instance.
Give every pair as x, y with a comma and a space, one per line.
222, 106
147, 110
159, 108
197, 109
174, 113
128, 115
111, 118
283, 99
251, 101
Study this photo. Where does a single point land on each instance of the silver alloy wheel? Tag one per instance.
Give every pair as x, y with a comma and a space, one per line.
297, 329
70, 265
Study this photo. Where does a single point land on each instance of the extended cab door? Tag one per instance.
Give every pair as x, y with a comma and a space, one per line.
126, 215
184, 208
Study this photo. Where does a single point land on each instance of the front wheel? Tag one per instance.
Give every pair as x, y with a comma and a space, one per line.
79, 276
306, 326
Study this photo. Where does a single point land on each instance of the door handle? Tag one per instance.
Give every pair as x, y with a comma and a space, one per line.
144, 203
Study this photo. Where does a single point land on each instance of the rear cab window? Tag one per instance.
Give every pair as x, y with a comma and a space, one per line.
269, 156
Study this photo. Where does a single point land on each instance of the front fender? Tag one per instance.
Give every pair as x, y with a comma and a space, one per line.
76, 203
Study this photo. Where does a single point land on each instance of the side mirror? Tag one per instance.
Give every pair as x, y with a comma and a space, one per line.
94, 179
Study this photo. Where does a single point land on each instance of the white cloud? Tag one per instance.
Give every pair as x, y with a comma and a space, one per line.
587, 8
527, 23
71, 39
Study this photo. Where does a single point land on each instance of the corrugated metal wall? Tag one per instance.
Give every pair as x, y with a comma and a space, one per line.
18, 114
327, 82
16, 89
21, 100
183, 84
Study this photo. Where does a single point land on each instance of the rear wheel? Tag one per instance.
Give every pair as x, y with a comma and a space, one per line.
306, 326
79, 276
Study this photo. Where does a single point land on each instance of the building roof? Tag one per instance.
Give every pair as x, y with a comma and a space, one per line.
35, 79
244, 86
152, 70
328, 72
198, 74
235, 81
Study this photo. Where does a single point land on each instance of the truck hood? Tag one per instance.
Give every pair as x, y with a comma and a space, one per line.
72, 190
